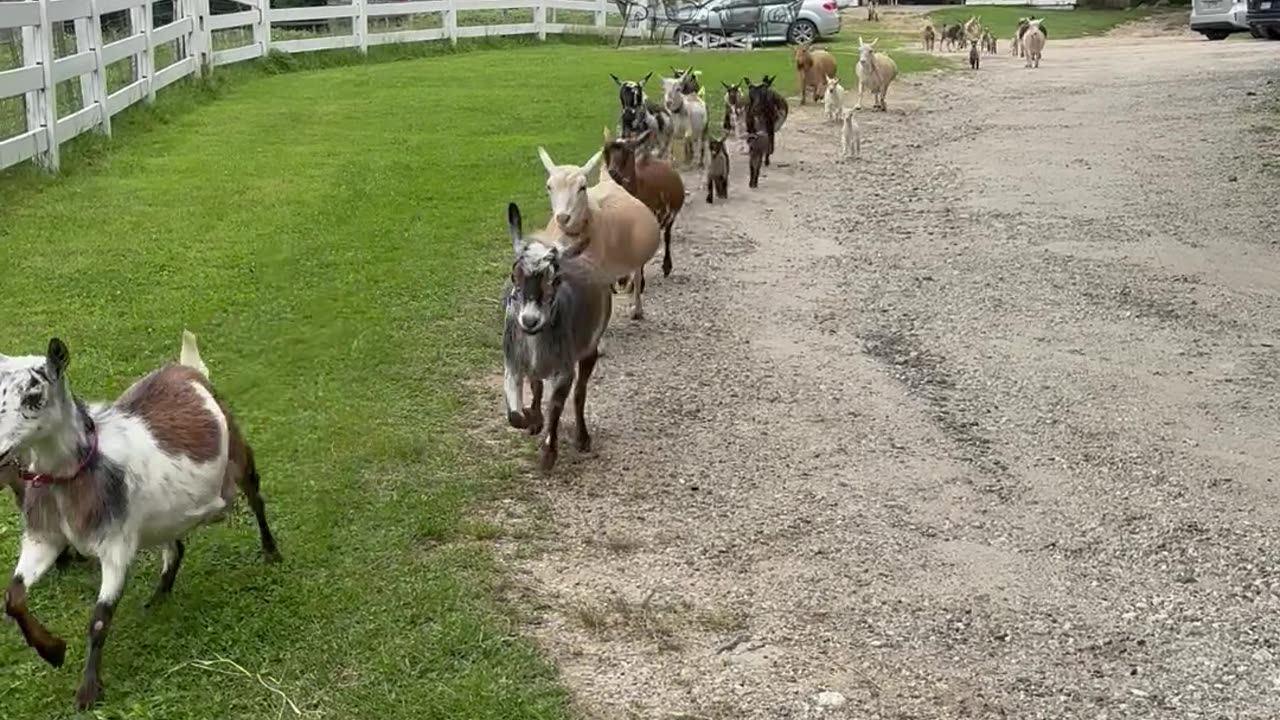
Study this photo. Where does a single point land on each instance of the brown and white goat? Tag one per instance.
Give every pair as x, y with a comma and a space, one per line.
650, 180
110, 480
813, 67
612, 230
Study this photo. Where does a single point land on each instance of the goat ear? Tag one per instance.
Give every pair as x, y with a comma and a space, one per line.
515, 227
57, 358
546, 160
592, 163
639, 139
646, 78
615, 79
746, 80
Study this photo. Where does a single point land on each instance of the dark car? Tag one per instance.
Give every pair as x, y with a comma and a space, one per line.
1264, 18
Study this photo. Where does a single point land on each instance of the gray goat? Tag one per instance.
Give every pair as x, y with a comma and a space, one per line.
556, 311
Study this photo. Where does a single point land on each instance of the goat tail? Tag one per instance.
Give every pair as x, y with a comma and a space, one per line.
190, 355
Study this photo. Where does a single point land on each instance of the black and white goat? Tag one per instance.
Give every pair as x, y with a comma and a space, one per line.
640, 114
556, 311
113, 479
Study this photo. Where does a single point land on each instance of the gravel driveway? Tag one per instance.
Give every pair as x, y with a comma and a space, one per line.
984, 425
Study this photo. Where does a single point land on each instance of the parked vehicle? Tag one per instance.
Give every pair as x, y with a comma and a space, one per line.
1216, 19
771, 20
1263, 17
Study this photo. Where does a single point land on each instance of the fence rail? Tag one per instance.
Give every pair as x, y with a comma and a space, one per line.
191, 46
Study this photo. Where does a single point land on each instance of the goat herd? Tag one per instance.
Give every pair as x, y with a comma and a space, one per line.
1027, 41
599, 237
107, 480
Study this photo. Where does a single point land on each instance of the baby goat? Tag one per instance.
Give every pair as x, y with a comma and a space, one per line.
556, 312
850, 135
110, 480
975, 58
718, 172
832, 99
758, 143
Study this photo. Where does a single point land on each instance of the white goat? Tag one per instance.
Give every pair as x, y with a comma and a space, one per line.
689, 115
833, 99
110, 480
608, 226
1033, 43
850, 135
876, 71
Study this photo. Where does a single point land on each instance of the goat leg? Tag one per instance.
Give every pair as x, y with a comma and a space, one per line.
586, 366
533, 415
34, 561
722, 187
666, 239
171, 556
711, 182
115, 567
550, 446
513, 394
251, 486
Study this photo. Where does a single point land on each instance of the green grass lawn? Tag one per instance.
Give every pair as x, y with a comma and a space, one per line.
1059, 23
337, 240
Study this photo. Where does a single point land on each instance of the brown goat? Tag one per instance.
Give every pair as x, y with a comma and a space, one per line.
650, 180
718, 172
759, 145
813, 67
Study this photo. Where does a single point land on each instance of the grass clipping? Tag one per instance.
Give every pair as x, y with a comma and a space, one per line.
223, 666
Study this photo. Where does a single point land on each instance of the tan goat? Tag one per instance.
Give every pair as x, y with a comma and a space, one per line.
813, 67
604, 223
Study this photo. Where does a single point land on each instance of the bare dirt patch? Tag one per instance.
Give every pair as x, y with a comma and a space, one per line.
983, 425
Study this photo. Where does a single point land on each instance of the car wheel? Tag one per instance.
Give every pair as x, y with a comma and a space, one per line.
802, 31
1256, 32
1216, 34
685, 36
1273, 33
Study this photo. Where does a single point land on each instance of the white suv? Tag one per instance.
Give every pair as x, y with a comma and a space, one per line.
1216, 19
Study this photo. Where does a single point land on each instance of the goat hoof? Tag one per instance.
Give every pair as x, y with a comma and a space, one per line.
54, 653
515, 419
272, 556
666, 265
88, 694
548, 460
583, 443
637, 314
535, 426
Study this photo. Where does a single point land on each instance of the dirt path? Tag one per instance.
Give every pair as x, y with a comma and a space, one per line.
984, 427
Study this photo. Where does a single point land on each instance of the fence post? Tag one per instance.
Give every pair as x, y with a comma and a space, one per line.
99, 75
83, 45
46, 99
31, 58
142, 17
540, 19
360, 24
191, 43
205, 34
602, 14
451, 22
262, 28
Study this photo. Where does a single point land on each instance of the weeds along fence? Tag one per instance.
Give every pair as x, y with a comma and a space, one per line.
69, 66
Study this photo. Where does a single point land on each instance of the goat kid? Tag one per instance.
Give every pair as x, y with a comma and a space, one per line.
850, 135
110, 480
718, 172
759, 146
975, 57
735, 113
555, 314
833, 99
928, 37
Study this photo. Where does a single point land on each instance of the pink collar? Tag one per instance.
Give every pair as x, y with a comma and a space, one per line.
38, 479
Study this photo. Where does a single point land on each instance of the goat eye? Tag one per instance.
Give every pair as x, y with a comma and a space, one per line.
33, 401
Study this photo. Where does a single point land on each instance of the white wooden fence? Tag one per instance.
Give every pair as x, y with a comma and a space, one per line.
192, 32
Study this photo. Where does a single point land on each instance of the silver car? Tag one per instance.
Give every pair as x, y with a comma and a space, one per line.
1216, 19
769, 20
